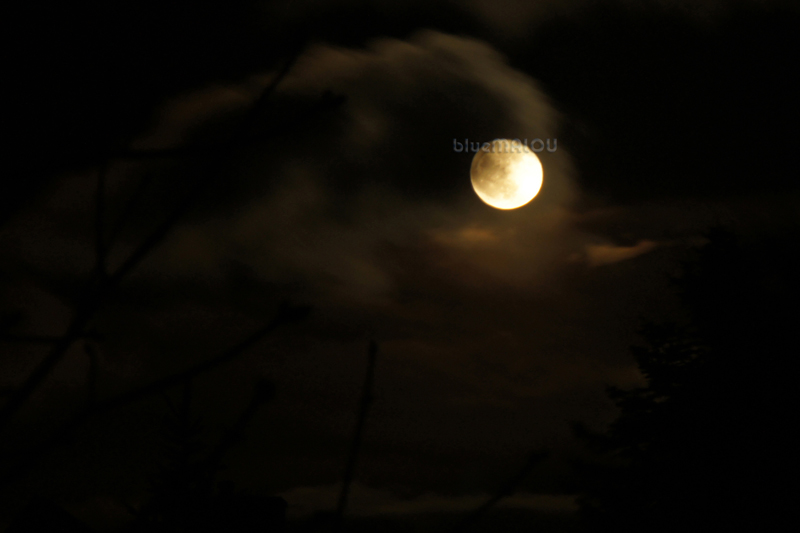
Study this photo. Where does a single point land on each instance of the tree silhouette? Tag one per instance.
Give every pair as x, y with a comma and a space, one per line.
706, 443
186, 176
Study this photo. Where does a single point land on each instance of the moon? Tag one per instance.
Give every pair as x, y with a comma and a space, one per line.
506, 174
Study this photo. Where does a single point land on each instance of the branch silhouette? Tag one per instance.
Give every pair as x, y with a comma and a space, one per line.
505, 491
264, 392
286, 314
100, 244
100, 285
352, 458
186, 494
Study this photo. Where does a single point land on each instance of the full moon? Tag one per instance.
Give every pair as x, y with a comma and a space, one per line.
506, 174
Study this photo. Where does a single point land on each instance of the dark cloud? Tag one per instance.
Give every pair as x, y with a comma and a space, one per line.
380, 169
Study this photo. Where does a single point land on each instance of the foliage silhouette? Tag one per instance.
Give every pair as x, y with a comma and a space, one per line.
705, 443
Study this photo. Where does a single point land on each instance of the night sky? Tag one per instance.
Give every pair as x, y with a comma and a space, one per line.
339, 189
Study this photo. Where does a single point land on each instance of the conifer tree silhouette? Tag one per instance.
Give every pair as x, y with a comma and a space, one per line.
706, 442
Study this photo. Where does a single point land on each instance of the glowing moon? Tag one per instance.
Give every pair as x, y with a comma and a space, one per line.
506, 175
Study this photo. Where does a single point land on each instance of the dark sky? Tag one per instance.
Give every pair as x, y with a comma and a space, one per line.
496, 329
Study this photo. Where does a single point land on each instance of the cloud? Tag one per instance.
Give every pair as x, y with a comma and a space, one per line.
606, 254
370, 216
315, 208
367, 213
512, 19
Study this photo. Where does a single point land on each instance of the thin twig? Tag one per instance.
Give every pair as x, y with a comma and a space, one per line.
91, 382
242, 137
366, 401
62, 345
95, 296
235, 433
255, 109
164, 396
184, 415
285, 315
505, 491
40, 339
100, 246
127, 211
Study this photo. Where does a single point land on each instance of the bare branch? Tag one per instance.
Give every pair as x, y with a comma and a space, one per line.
263, 392
47, 339
127, 211
154, 239
100, 246
21, 394
169, 402
258, 105
505, 491
91, 381
366, 401
96, 293
286, 314
242, 137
